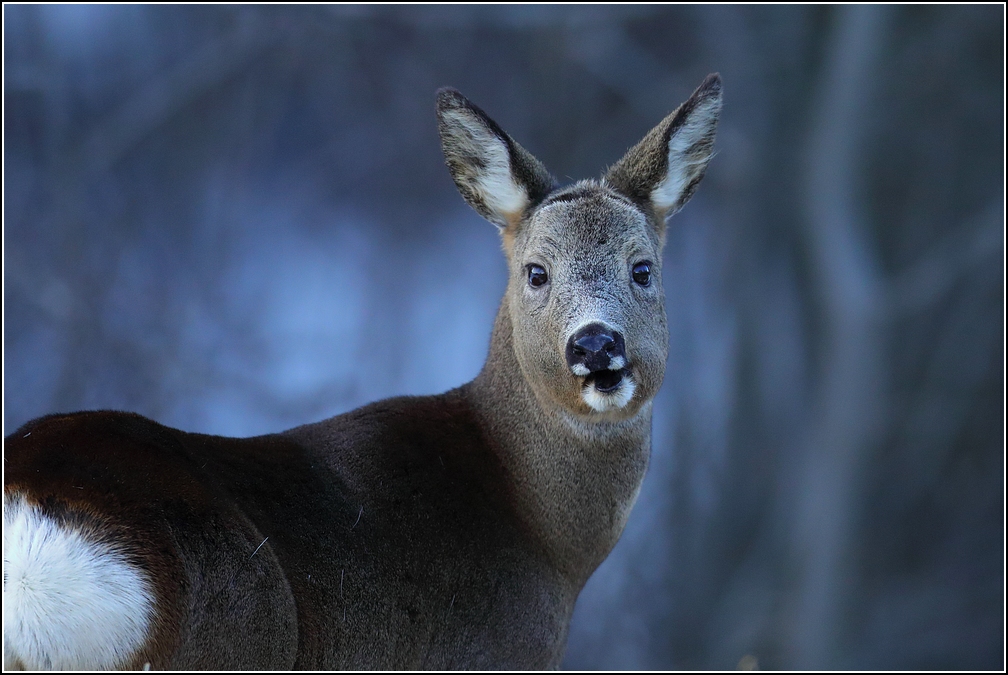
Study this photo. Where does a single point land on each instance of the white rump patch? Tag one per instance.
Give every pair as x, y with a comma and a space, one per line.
601, 402
68, 602
502, 195
683, 168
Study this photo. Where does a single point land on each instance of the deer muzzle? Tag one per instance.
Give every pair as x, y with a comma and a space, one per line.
597, 352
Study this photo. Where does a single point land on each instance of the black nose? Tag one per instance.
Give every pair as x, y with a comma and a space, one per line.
594, 347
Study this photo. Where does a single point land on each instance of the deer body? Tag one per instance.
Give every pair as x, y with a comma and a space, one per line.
448, 531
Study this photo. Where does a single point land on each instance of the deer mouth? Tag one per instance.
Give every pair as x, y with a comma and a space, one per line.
606, 390
606, 381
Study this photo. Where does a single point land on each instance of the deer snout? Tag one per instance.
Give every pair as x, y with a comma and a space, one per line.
594, 348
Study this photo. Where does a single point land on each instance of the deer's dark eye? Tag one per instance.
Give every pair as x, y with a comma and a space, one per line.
642, 273
537, 276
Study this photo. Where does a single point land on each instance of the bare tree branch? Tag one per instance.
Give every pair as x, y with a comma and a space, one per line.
934, 274
150, 106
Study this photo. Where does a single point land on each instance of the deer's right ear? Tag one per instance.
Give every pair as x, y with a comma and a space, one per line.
496, 176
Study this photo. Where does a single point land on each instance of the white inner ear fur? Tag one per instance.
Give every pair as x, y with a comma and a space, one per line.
682, 168
68, 602
502, 195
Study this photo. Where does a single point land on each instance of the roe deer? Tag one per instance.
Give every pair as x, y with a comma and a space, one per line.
449, 531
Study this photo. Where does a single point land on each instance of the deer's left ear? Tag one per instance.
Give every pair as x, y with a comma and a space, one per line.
496, 176
664, 169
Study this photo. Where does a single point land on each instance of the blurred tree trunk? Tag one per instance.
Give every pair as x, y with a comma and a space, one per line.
850, 401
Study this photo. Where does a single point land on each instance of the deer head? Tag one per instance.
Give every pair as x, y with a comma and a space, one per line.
584, 294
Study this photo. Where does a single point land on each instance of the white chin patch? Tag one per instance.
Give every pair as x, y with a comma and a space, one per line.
613, 400
69, 602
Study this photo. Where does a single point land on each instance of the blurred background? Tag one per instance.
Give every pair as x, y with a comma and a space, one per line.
237, 219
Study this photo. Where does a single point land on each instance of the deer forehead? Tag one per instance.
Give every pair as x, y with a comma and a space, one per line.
592, 228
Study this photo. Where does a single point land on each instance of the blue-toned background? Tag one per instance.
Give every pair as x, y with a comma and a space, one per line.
237, 219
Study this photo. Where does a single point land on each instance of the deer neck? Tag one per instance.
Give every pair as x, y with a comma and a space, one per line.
573, 482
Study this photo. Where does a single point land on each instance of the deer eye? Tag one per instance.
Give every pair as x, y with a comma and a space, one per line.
642, 273
537, 276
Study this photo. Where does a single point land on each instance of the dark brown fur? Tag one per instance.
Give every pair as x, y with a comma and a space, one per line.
390, 534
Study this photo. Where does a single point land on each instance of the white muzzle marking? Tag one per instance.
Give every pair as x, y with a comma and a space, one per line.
613, 400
